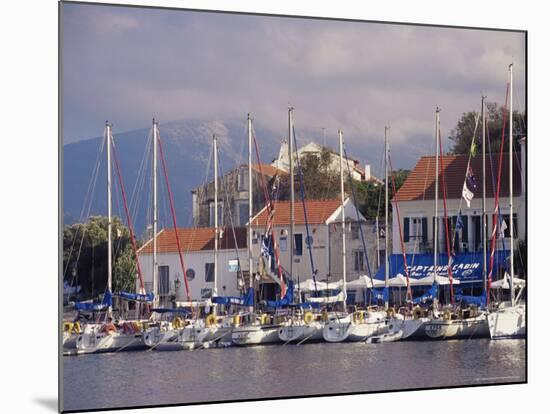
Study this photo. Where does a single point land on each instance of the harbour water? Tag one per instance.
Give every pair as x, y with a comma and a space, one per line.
152, 378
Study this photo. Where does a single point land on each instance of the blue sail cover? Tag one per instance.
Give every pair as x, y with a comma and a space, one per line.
171, 310
479, 301
149, 297
286, 300
428, 296
466, 267
382, 294
95, 307
247, 300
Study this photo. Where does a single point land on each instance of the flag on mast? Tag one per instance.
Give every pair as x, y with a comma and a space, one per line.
469, 186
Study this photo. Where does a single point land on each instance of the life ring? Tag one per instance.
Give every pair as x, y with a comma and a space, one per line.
417, 312
447, 315
236, 320
324, 316
390, 312
67, 327
358, 316
177, 323
308, 317
210, 320
76, 328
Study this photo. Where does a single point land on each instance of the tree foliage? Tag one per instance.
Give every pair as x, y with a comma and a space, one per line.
461, 135
85, 256
322, 181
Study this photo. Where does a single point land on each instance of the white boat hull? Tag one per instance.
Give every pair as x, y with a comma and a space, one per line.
255, 334
298, 332
508, 322
414, 329
458, 329
92, 342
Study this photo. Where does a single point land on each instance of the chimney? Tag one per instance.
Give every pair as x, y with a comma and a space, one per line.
367, 172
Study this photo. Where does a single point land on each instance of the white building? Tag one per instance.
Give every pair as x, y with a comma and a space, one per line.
197, 245
415, 200
359, 174
325, 229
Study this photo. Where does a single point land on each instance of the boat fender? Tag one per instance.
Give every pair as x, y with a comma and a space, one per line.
177, 323
308, 317
264, 319
210, 320
447, 315
417, 312
357, 316
236, 320
324, 316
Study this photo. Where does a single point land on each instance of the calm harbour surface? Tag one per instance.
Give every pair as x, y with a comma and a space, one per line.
128, 379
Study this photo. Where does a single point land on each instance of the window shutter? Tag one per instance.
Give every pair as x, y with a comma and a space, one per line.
406, 229
424, 229
465, 229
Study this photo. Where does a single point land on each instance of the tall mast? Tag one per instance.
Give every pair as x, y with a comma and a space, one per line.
215, 290
291, 161
343, 215
436, 198
386, 243
250, 211
510, 173
109, 216
377, 243
155, 216
483, 205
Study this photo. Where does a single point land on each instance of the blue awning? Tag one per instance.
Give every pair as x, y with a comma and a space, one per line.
149, 297
466, 267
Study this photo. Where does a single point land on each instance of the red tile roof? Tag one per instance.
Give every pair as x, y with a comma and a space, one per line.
267, 169
195, 239
318, 211
420, 184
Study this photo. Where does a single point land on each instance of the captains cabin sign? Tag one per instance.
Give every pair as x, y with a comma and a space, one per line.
466, 267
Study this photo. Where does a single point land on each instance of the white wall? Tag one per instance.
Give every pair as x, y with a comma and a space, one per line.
425, 208
196, 261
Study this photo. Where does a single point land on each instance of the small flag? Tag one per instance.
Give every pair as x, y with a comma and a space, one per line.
473, 149
467, 195
503, 227
459, 222
470, 179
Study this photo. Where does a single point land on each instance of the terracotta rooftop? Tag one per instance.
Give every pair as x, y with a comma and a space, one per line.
195, 239
420, 184
267, 169
318, 212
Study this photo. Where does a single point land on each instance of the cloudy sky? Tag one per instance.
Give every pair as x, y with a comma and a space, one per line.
130, 64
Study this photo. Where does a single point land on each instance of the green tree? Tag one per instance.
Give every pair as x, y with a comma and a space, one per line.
85, 256
322, 181
461, 135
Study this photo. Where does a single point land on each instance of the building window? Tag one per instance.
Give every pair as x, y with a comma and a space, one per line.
415, 228
359, 260
209, 272
354, 231
220, 213
504, 229
242, 180
282, 243
243, 213
298, 247
190, 274
164, 280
